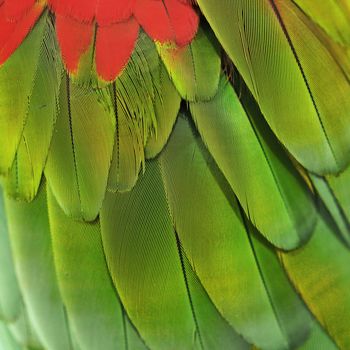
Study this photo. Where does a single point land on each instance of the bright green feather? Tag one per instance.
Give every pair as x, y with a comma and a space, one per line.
93, 307
34, 262
17, 81
270, 191
81, 150
224, 249
320, 272
25, 175
157, 288
195, 68
287, 66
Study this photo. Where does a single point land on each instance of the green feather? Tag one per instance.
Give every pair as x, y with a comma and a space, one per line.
224, 251
81, 150
97, 317
340, 186
10, 295
135, 96
318, 340
332, 15
149, 270
23, 332
166, 107
269, 189
25, 175
7, 341
320, 272
299, 84
128, 152
16, 88
195, 68
33, 258
333, 205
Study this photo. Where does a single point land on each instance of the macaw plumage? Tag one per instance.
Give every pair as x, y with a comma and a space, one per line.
174, 174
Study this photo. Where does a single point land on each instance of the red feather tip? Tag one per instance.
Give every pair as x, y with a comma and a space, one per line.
13, 32
15, 9
74, 39
117, 23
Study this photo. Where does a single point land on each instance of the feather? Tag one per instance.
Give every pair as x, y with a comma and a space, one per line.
268, 188
17, 81
320, 273
110, 11
176, 22
15, 10
13, 32
22, 331
318, 340
224, 250
114, 45
81, 150
93, 307
127, 153
33, 258
150, 272
135, 97
195, 68
166, 107
24, 177
79, 10
195, 187
74, 39
10, 295
288, 86
332, 16
334, 205
7, 340
340, 187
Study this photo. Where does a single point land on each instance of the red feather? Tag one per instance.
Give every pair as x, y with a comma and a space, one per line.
114, 45
117, 27
153, 17
74, 39
15, 9
112, 11
80, 10
104, 11
184, 20
12, 33
168, 20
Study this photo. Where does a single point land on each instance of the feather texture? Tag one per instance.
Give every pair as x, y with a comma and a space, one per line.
237, 257
98, 319
36, 272
174, 174
16, 89
246, 153
24, 177
188, 65
82, 145
253, 32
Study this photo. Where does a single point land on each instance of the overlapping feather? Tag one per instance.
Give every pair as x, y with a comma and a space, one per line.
159, 229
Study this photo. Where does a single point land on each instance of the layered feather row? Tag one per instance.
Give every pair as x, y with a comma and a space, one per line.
221, 222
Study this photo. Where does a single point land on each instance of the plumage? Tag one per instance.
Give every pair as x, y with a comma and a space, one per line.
279, 52
24, 177
237, 139
16, 88
34, 262
174, 174
13, 31
186, 65
118, 21
83, 147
